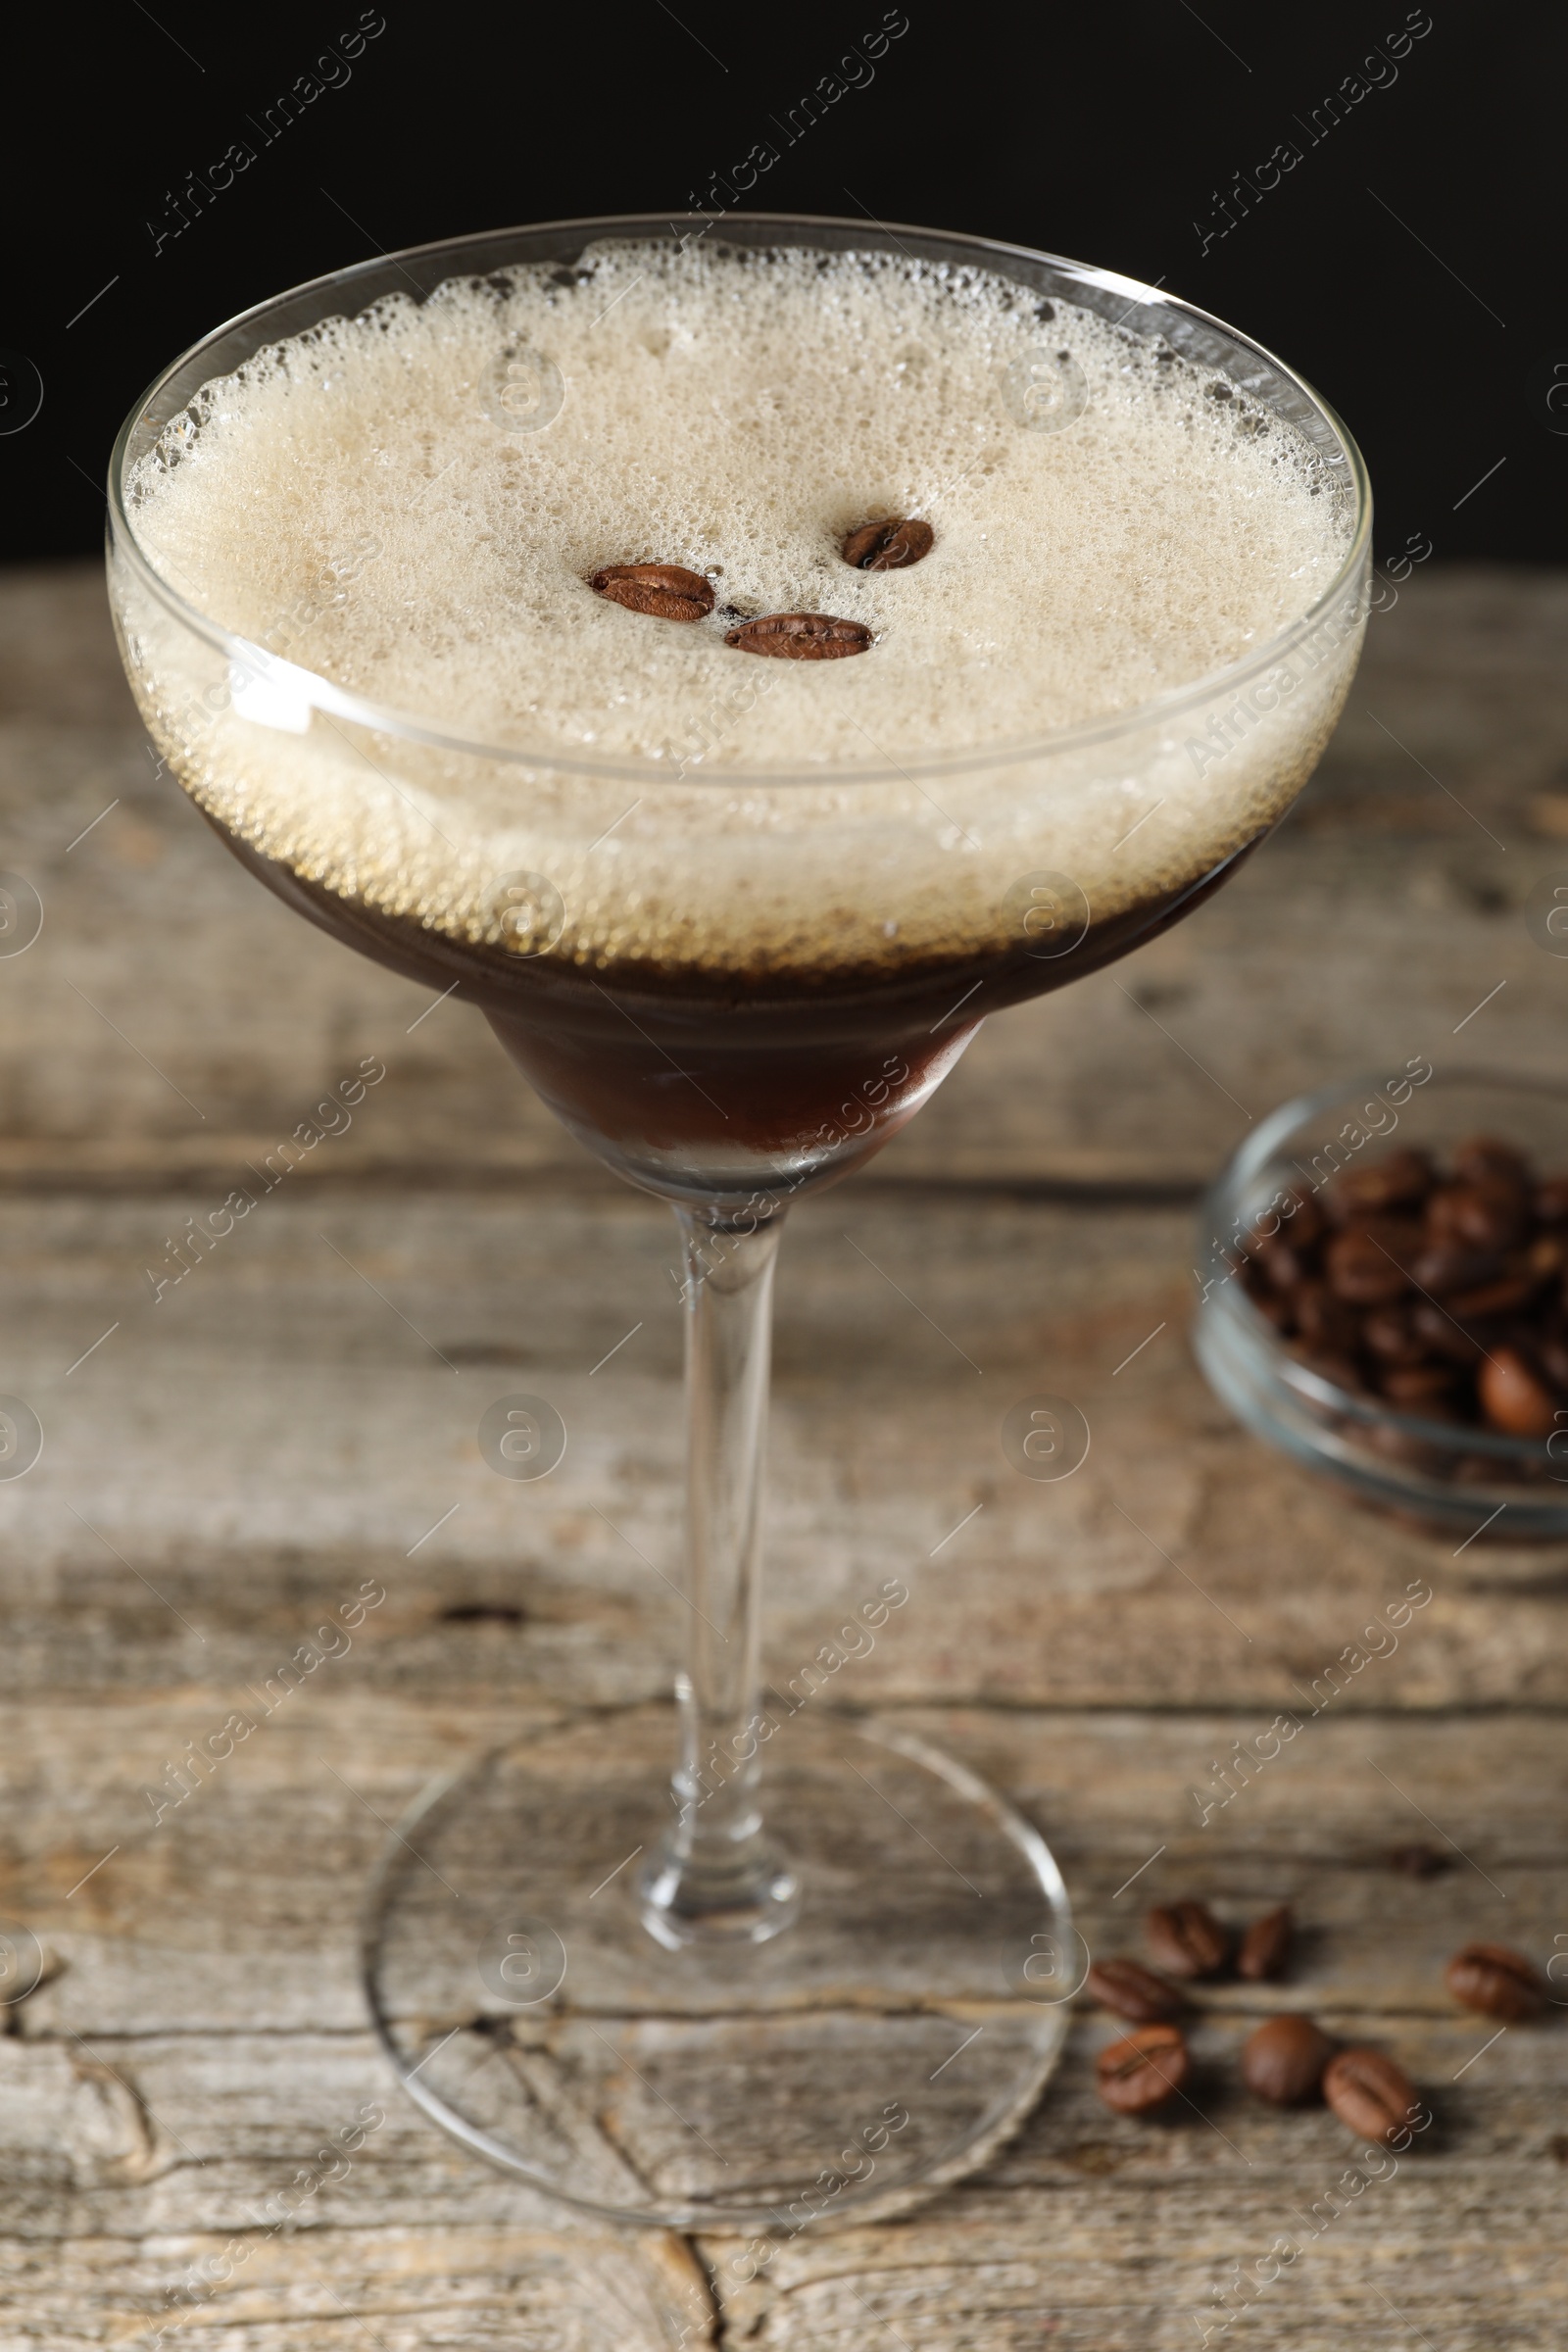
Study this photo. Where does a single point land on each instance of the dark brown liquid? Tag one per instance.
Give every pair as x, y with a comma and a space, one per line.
708, 1065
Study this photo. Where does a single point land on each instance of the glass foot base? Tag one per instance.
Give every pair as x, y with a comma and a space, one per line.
884, 2044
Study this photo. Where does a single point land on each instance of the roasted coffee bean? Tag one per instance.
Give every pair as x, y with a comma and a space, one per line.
1412, 1386
1442, 1334
1302, 1221
1489, 1214
1514, 1397
1287, 1268
1457, 1313
1265, 1949
1510, 1295
1187, 1940
1371, 2095
1144, 2069
1489, 1977
1363, 1270
1400, 1180
1446, 1266
888, 546
1328, 1322
668, 591
1481, 1156
1134, 1992
1551, 1202
1390, 1332
800, 636
1283, 2060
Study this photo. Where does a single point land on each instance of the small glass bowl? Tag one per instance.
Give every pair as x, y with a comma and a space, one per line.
1441, 1476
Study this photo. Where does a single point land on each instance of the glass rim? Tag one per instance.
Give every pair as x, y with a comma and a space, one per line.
323, 694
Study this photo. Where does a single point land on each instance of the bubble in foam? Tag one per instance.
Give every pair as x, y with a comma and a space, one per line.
1105, 531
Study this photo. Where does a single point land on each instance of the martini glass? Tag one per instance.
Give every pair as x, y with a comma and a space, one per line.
641, 1992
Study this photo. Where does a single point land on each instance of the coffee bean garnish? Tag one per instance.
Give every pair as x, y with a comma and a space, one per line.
800, 636
1283, 2060
1144, 2069
1134, 1992
1371, 2095
1497, 1982
1187, 1940
1267, 1946
888, 546
668, 591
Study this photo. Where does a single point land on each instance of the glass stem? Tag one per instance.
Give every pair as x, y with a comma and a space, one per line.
717, 1876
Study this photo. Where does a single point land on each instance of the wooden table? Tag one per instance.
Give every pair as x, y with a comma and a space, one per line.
298, 1416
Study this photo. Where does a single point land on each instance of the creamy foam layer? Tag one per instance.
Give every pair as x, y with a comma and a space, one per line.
408, 505
738, 414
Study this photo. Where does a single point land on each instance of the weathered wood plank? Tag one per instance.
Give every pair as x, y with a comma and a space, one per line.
324, 2287
202, 2039
301, 1412
1383, 913
1418, 2257
282, 1836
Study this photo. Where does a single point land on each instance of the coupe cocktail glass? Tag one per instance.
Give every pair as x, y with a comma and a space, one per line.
642, 1996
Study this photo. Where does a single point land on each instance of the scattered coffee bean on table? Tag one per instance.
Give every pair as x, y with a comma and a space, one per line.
1283, 2060
1265, 1949
1370, 2095
1187, 1940
1497, 1982
1443, 1292
1142, 2069
1134, 1992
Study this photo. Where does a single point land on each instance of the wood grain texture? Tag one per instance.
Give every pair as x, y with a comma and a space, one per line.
302, 1410
298, 1418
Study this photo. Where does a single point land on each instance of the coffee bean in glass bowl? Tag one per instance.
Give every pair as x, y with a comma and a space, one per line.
1383, 1277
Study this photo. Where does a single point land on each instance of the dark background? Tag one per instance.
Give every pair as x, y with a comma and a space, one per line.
1409, 264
